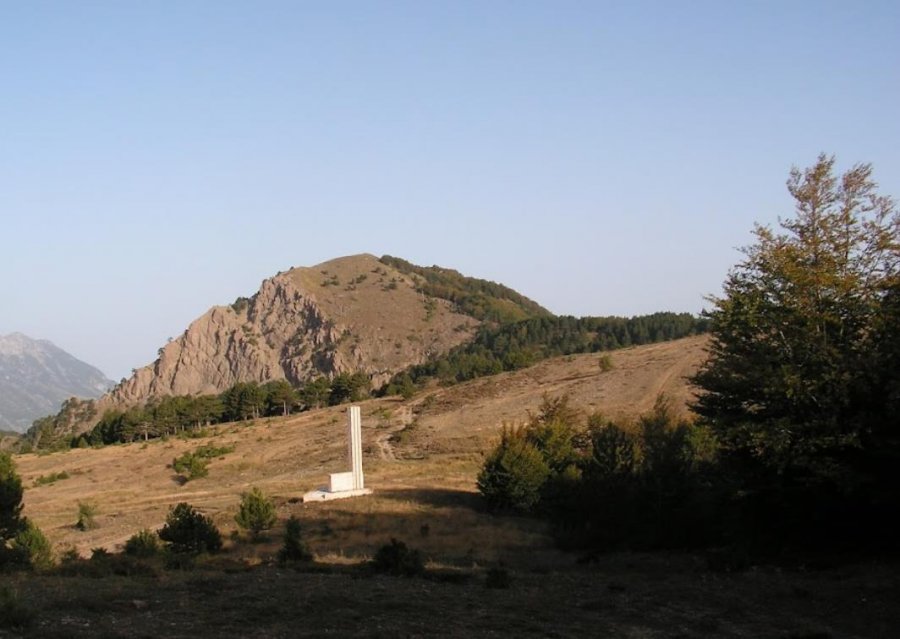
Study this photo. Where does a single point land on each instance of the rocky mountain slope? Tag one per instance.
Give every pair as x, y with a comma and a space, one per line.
351, 314
36, 377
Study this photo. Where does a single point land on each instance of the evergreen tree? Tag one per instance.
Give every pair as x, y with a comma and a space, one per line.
11, 520
256, 512
788, 383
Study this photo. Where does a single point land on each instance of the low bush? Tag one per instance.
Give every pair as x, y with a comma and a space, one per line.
395, 558
86, 516
294, 549
32, 547
44, 480
142, 544
188, 531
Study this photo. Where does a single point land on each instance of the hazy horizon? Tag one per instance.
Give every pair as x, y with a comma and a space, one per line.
602, 159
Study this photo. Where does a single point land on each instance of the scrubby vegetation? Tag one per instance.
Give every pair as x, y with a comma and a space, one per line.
189, 531
293, 548
481, 299
87, 513
144, 543
519, 345
796, 447
195, 464
396, 558
22, 544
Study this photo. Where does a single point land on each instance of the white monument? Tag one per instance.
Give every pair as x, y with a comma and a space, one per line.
349, 484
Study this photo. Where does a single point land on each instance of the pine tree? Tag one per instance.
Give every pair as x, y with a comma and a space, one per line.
256, 512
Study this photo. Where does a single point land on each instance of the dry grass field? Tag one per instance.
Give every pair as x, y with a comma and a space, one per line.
421, 458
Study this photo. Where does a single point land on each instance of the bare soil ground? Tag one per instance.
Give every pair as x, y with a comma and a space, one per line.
421, 458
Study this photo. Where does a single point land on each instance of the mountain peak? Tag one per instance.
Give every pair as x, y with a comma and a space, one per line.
36, 377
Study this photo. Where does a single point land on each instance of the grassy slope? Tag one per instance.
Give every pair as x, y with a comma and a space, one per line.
421, 457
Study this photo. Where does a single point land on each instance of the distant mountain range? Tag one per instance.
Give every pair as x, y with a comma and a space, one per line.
36, 377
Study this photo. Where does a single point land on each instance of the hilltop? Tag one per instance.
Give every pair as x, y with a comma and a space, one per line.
36, 376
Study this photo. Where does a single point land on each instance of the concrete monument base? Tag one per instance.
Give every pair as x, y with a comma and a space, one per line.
323, 494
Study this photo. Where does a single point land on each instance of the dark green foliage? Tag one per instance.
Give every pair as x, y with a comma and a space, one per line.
256, 512
480, 299
195, 464
802, 384
243, 401
188, 531
32, 547
293, 548
521, 344
395, 558
49, 433
191, 466
10, 500
348, 387
649, 486
144, 543
533, 463
240, 305
280, 397
513, 474
645, 487
315, 393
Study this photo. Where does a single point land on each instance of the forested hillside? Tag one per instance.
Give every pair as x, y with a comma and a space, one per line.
520, 344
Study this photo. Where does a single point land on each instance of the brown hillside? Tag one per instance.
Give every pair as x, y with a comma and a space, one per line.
432, 442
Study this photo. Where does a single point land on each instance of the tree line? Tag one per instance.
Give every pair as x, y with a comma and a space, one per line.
243, 401
521, 344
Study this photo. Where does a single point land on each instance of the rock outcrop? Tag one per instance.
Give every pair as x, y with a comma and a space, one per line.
347, 315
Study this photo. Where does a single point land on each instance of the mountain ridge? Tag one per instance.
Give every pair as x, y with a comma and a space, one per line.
36, 376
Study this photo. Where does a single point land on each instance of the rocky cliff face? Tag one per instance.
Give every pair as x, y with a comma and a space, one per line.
350, 314
36, 377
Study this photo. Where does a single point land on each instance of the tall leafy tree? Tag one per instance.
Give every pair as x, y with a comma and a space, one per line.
789, 385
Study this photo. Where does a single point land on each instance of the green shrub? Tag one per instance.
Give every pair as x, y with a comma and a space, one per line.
293, 549
44, 480
513, 474
188, 531
191, 466
605, 362
396, 559
10, 501
256, 512
86, 516
144, 543
32, 547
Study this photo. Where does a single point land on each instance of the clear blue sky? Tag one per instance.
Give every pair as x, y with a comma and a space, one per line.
157, 158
